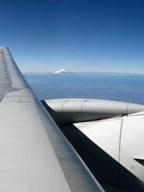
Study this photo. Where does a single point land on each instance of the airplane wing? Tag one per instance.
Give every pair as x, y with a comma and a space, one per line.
34, 154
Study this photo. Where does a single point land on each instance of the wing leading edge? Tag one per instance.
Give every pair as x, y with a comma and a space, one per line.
34, 155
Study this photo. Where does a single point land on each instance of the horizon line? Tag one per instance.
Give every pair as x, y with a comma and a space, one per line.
139, 73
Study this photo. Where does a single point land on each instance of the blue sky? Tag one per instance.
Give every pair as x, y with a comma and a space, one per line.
82, 35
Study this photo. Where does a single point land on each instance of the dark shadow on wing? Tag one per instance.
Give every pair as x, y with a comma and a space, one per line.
106, 170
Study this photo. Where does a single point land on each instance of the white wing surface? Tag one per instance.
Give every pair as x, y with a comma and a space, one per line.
34, 155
